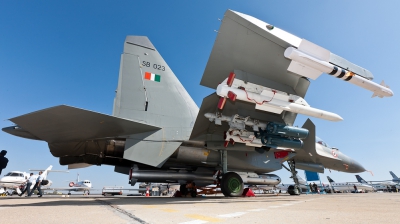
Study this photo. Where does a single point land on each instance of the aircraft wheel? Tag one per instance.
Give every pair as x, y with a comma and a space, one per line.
69, 193
294, 190
88, 192
183, 190
232, 185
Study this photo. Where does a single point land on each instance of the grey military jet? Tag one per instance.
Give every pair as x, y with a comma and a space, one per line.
395, 178
239, 135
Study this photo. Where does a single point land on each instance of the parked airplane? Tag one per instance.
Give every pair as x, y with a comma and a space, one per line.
84, 185
379, 185
158, 134
14, 179
395, 178
349, 186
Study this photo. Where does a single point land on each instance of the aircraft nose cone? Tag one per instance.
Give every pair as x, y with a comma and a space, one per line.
356, 167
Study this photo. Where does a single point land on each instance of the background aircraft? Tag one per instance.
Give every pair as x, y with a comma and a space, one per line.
15, 179
184, 143
79, 185
349, 186
379, 185
395, 178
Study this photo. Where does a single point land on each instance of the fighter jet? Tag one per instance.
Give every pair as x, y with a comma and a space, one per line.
395, 178
239, 135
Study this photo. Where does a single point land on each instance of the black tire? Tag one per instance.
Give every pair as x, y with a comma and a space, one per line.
232, 185
69, 193
183, 190
291, 190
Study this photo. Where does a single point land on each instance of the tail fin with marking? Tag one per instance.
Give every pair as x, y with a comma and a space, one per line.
361, 180
393, 175
149, 92
148, 89
330, 179
45, 172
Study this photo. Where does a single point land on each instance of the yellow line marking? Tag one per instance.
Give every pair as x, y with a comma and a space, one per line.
204, 218
169, 210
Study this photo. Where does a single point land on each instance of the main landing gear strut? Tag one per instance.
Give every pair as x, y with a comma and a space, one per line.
231, 183
293, 190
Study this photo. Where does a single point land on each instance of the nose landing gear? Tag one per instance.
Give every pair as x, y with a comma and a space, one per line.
293, 189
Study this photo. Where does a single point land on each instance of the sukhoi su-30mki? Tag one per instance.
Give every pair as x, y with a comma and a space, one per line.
240, 134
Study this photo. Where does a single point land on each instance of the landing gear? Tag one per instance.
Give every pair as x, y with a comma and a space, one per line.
69, 193
293, 189
232, 185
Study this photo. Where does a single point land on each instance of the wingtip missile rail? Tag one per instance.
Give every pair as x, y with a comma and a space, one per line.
268, 99
310, 59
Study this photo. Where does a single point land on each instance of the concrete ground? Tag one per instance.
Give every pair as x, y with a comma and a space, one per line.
336, 208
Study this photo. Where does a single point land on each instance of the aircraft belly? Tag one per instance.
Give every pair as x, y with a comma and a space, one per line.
250, 161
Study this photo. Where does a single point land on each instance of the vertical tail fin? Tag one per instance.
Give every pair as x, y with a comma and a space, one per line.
360, 179
330, 179
149, 92
46, 172
309, 142
393, 175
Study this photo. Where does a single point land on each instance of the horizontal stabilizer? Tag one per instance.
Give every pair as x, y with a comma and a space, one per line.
64, 123
51, 171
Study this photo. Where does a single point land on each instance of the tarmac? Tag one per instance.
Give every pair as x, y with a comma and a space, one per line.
330, 208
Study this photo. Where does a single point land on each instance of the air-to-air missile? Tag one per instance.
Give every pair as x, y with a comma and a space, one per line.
310, 61
268, 99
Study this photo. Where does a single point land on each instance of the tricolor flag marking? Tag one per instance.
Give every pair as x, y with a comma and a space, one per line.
152, 77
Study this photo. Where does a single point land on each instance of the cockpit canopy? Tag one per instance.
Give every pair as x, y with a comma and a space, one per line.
321, 142
14, 174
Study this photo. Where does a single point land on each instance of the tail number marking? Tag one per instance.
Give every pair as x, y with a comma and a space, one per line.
155, 66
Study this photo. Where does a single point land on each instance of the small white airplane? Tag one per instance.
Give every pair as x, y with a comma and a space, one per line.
84, 185
349, 186
15, 179
378, 185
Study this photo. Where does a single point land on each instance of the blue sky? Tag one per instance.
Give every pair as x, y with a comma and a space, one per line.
54, 52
